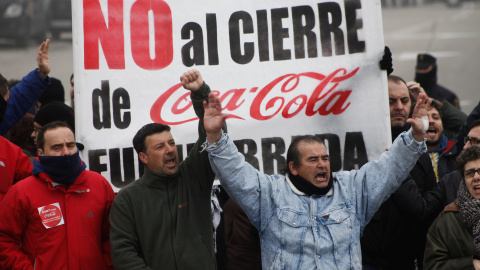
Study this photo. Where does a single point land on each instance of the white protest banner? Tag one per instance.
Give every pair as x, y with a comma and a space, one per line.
282, 69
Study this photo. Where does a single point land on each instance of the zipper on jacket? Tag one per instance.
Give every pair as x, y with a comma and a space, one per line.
172, 223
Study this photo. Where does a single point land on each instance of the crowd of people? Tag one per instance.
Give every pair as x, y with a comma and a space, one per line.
416, 207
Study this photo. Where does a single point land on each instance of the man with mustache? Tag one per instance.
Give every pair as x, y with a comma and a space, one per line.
58, 217
163, 220
307, 218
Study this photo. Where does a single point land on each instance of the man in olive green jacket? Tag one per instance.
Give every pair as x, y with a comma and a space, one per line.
163, 220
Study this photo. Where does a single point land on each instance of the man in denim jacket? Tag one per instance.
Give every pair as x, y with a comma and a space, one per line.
308, 219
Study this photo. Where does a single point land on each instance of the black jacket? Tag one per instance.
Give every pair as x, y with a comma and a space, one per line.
395, 236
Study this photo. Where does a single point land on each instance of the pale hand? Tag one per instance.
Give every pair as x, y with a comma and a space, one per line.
476, 264
415, 89
192, 80
213, 118
42, 59
416, 121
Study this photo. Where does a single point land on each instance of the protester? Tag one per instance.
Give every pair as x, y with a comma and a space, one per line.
442, 151
307, 218
426, 75
395, 237
54, 92
53, 111
57, 218
163, 220
24, 94
242, 239
453, 240
450, 183
14, 164
20, 135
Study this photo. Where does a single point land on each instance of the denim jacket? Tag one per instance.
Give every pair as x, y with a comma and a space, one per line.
312, 232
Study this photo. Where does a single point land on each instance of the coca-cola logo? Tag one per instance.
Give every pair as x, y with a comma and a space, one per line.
283, 95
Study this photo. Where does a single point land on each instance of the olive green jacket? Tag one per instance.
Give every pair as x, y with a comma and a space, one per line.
449, 242
165, 222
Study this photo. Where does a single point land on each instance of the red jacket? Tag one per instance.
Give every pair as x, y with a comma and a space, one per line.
44, 226
14, 165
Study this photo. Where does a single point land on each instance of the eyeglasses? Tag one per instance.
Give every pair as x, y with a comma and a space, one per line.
470, 173
473, 141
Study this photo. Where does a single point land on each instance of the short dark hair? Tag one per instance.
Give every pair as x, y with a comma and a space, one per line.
470, 154
475, 123
49, 126
293, 154
438, 107
396, 79
3, 86
147, 130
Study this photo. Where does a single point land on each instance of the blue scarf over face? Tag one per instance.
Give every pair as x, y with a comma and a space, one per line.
442, 145
62, 169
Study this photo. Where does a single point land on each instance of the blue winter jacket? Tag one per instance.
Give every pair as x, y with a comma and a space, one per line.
22, 96
312, 232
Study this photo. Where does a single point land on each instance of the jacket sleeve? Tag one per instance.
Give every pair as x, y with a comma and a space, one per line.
424, 206
22, 96
13, 223
109, 196
375, 181
437, 250
23, 167
123, 238
452, 119
252, 190
196, 158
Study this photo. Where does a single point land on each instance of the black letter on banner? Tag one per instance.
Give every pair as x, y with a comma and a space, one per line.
116, 166
353, 24
354, 141
195, 45
103, 96
212, 40
334, 151
269, 156
115, 172
128, 165
326, 28
235, 46
121, 100
300, 30
250, 153
263, 41
278, 34
94, 160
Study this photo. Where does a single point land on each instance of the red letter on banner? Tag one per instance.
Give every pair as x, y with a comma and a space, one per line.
162, 25
111, 36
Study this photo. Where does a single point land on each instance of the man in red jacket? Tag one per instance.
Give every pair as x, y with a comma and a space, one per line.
58, 217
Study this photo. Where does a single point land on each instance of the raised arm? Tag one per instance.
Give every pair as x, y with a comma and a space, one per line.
25, 94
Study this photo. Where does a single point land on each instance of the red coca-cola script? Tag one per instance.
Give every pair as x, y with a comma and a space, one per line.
269, 101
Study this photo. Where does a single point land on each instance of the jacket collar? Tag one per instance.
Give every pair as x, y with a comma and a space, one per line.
157, 180
80, 185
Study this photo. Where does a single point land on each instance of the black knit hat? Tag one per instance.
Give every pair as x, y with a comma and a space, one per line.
55, 92
55, 111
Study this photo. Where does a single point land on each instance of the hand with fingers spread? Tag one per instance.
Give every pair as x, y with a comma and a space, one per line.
191, 80
213, 118
42, 59
420, 110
